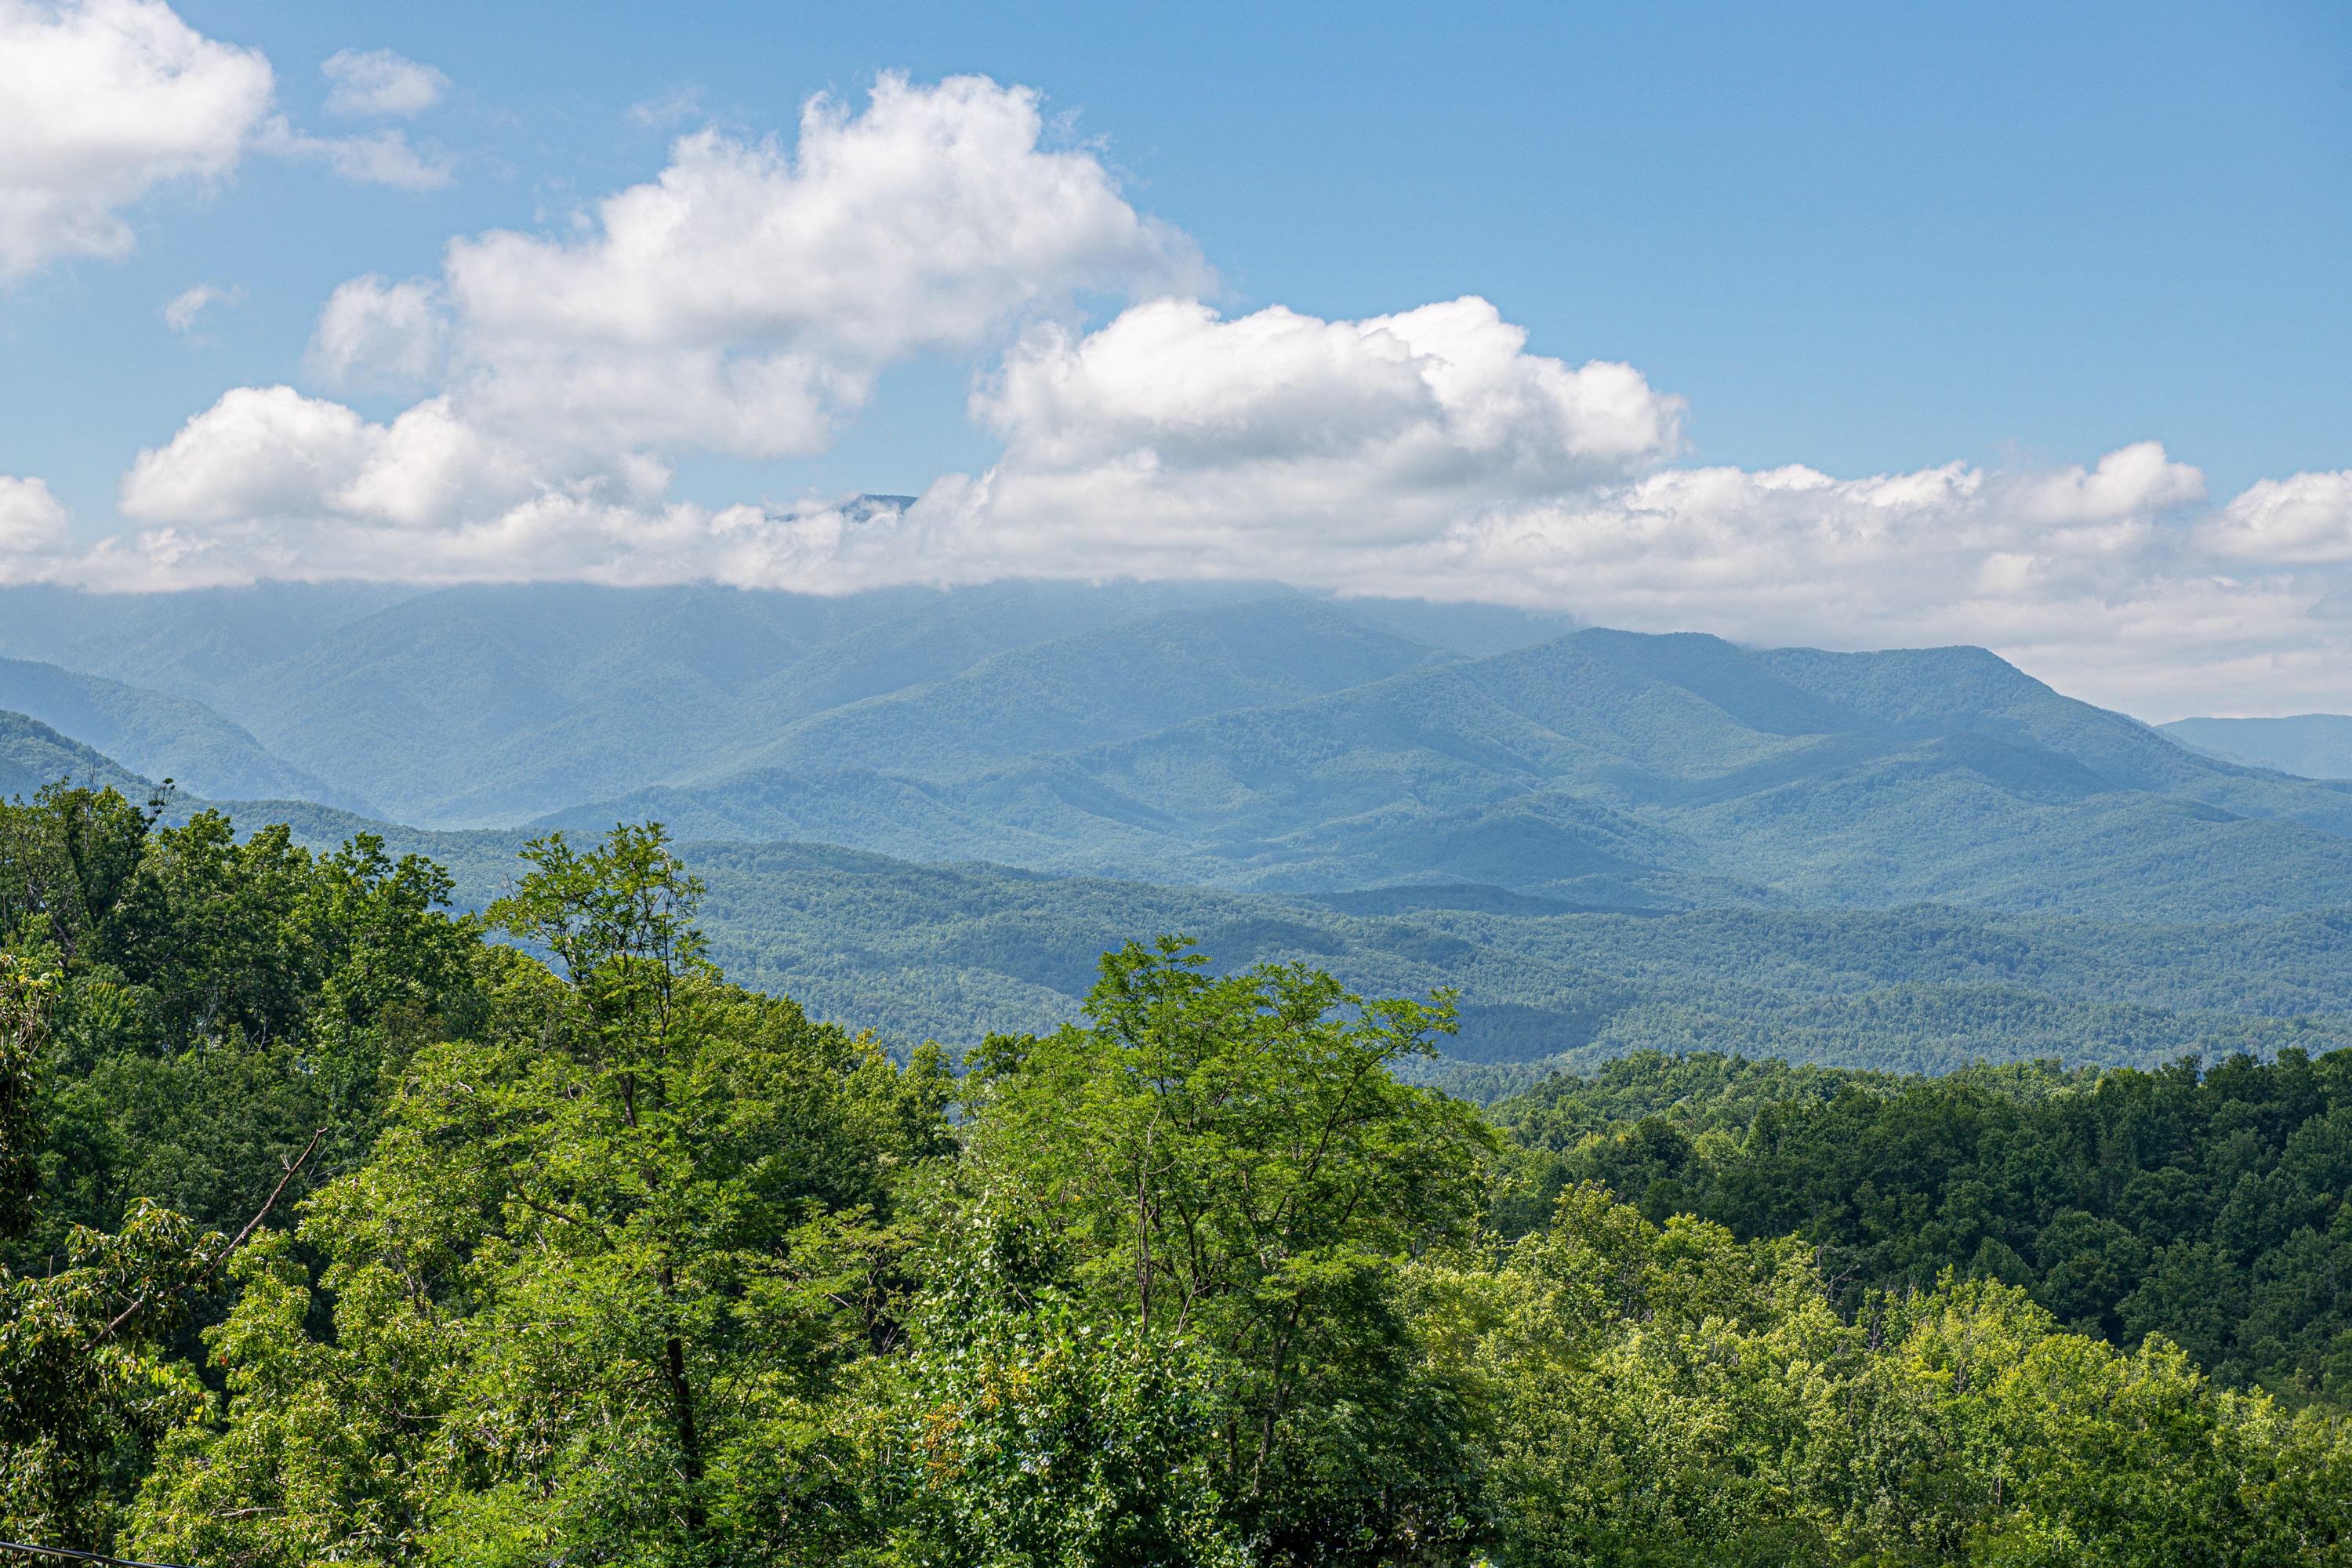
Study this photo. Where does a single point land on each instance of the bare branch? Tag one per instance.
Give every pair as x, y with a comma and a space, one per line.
242, 1237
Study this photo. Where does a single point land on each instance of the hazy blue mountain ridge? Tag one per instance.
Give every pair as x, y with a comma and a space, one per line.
1240, 735
1601, 767
2309, 745
1091, 688
494, 704
196, 643
953, 952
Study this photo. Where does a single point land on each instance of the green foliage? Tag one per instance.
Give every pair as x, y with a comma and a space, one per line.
2205, 1206
185, 1021
83, 1396
220, 1000
1031, 1433
67, 858
606, 1263
24, 1027
1228, 1160
606, 1260
85, 1390
1658, 1396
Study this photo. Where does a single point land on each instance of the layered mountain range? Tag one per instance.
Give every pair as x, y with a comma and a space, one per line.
1417, 794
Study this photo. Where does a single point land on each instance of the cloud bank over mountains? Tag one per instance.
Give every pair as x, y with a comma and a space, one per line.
747, 299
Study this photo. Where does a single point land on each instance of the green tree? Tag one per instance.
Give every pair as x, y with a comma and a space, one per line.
88, 1384
1228, 1160
595, 1287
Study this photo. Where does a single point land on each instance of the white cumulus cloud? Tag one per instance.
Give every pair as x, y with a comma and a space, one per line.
745, 299
2305, 519
743, 303
1196, 432
374, 334
36, 535
104, 100
378, 82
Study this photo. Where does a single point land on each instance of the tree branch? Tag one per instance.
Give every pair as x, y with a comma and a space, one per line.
242, 1237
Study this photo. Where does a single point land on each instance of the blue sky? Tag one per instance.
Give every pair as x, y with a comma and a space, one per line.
1868, 239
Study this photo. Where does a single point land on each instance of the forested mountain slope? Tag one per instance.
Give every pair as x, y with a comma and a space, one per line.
334, 1227
2206, 1206
196, 643
1095, 688
159, 735
34, 756
948, 952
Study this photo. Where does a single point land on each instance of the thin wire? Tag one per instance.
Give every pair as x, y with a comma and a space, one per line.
81, 1556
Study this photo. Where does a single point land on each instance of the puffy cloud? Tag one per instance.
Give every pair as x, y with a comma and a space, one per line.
741, 303
258, 451
107, 99
924, 221
376, 333
34, 528
1190, 428
2303, 519
378, 82
269, 455
2131, 482
1753, 553
745, 299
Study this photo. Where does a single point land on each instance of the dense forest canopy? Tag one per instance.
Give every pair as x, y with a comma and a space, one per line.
339, 1227
2206, 1206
